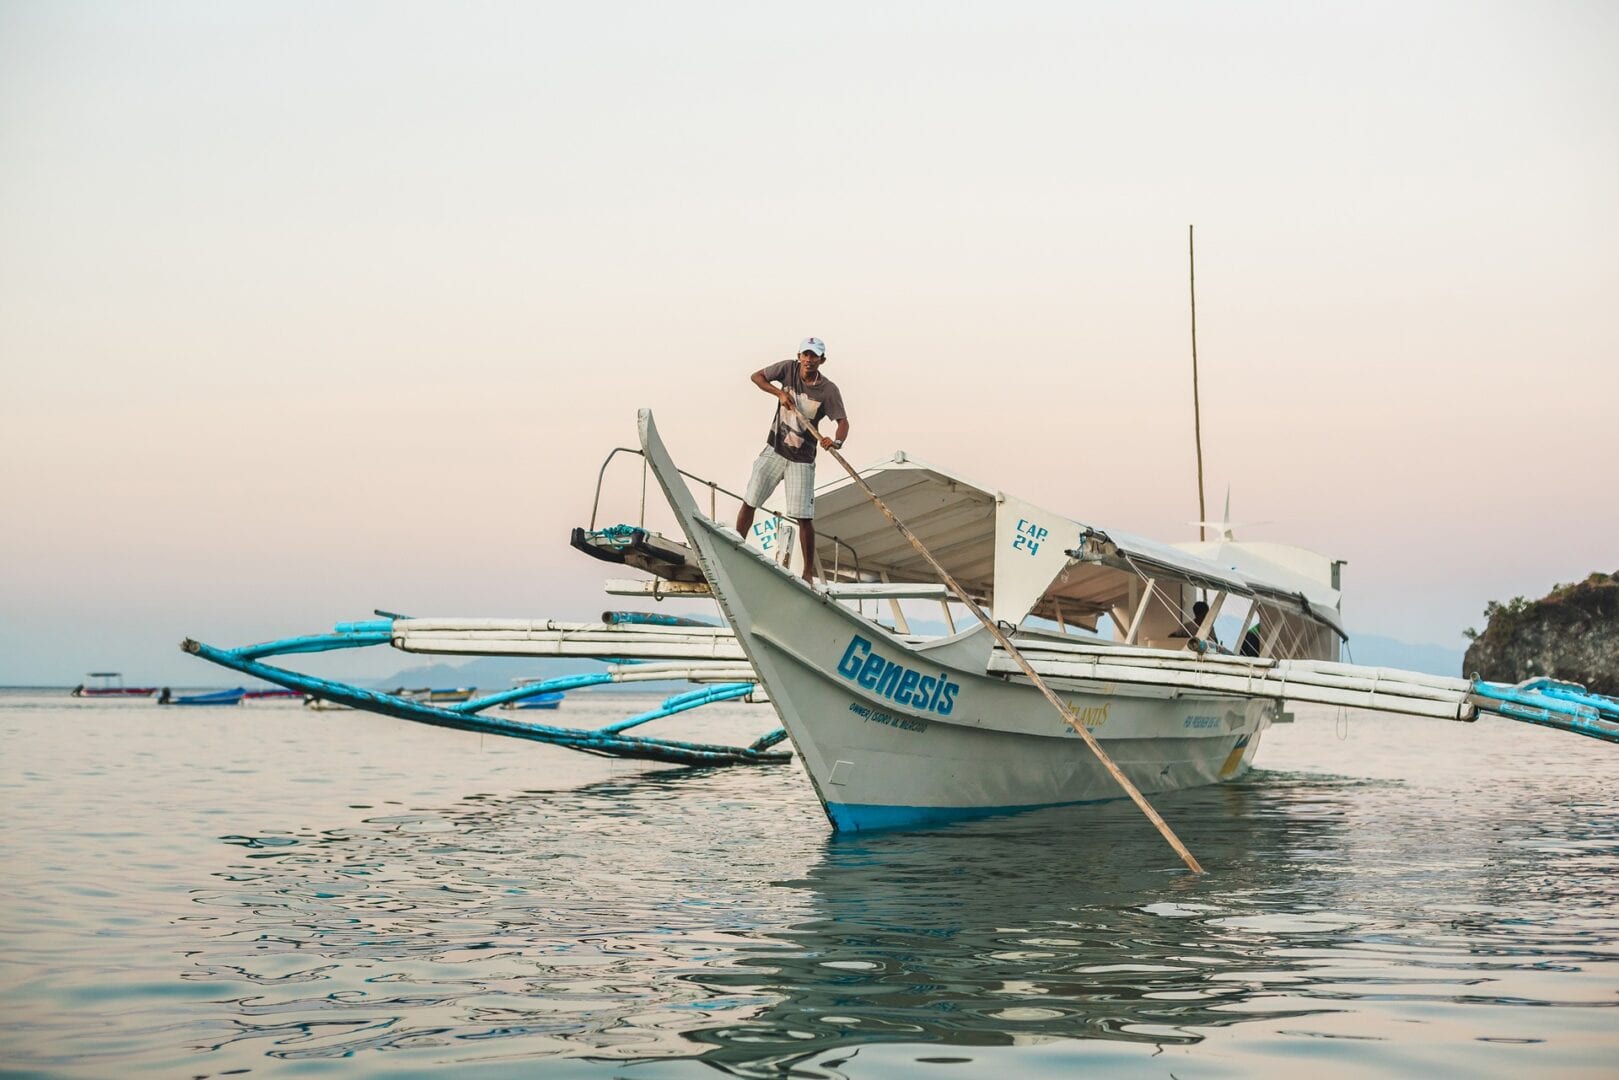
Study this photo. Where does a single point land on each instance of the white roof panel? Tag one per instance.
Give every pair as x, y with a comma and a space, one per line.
955, 517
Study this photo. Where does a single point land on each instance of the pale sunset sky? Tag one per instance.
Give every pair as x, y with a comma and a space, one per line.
311, 308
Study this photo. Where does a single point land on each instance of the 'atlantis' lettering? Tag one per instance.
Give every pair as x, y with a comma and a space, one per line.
895, 681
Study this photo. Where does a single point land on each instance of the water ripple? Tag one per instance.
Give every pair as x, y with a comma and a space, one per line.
625, 918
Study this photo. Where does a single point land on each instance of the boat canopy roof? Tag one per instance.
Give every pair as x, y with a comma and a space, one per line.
1023, 559
953, 516
1245, 574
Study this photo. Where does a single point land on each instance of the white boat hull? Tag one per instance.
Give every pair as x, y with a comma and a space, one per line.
893, 734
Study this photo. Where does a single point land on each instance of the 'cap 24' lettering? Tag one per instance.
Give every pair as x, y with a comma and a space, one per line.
1029, 536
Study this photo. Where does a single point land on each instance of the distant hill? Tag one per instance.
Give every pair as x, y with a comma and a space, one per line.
1430, 659
1571, 634
1375, 651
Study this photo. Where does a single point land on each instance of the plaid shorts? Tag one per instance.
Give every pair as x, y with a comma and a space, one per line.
769, 468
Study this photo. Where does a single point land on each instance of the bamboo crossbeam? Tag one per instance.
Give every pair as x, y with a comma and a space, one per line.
1384, 698
1282, 674
593, 648
532, 626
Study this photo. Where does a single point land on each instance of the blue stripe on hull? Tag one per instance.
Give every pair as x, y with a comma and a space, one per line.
868, 817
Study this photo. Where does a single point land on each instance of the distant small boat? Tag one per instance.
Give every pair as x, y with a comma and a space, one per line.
274, 692
541, 701
111, 684
426, 695
213, 697
440, 696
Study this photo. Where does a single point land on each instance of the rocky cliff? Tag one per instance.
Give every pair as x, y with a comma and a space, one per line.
1571, 634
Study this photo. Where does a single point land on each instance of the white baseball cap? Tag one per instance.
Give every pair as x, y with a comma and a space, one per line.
814, 345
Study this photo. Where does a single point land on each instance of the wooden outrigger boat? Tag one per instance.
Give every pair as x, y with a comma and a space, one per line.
549, 700
899, 726
275, 693
208, 697
110, 684
438, 696
896, 730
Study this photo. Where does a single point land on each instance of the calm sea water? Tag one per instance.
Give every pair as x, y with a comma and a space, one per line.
275, 892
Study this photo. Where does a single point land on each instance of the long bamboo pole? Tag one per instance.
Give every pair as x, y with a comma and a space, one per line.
1197, 412
1005, 643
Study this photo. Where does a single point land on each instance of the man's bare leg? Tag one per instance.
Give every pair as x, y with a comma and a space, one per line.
806, 537
744, 520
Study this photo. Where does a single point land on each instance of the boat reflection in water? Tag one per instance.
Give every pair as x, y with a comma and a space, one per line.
706, 915
1062, 924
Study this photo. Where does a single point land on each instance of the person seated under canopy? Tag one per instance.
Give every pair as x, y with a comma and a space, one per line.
1190, 627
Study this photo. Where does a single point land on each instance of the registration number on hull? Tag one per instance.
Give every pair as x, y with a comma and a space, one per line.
878, 716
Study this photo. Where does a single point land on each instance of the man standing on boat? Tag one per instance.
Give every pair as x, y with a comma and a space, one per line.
789, 451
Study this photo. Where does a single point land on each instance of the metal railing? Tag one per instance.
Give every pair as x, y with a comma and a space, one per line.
714, 491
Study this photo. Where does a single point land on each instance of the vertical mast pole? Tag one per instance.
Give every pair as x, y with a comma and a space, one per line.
1197, 414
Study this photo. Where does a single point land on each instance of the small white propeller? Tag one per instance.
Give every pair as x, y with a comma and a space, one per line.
1225, 529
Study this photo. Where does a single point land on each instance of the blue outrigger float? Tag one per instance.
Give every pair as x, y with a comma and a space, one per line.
610, 740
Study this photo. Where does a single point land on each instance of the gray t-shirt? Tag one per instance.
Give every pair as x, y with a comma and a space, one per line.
787, 436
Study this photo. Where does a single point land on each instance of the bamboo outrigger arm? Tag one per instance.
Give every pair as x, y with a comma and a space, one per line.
609, 740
